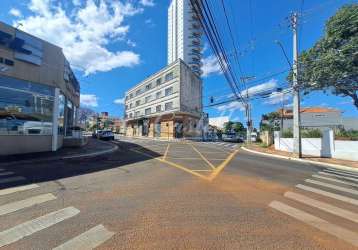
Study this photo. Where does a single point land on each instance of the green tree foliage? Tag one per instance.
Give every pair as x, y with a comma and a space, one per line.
270, 120
228, 126
233, 127
238, 127
332, 63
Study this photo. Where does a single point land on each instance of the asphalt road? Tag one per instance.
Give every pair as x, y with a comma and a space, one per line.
160, 195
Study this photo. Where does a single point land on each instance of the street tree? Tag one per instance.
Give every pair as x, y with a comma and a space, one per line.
228, 126
238, 127
332, 63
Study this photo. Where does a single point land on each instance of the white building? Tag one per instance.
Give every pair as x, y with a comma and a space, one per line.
167, 104
184, 35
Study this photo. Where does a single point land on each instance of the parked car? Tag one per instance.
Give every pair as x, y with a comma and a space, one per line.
231, 137
96, 133
106, 135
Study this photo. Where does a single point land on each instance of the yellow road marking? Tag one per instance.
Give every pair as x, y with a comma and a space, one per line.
212, 176
202, 170
202, 156
222, 166
166, 152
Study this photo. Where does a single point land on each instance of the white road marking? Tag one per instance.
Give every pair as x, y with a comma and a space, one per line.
6, 173
12, 179
29, 202
17, 189
325, 226
340, 173
323, 206
1, 169
342, 177
88, 240
335, 180
343, 171
328, 194
323, 184
20, 231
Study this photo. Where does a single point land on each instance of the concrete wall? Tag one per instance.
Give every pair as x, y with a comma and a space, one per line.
325, 147
190, 91
17, 144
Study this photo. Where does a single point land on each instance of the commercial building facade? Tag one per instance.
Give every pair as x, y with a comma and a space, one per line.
168, 104
39, 94
184, 35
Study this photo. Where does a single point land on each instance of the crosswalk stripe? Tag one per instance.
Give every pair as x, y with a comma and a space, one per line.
18, 189
328, 194
325, 226
339, 176
340, 173
88, 240
335, 180
323, 206
323, 184
18, 205
12, 179
6, 173
20, 231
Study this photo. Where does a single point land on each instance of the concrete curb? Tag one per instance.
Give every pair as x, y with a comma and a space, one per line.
336, 166
86, 155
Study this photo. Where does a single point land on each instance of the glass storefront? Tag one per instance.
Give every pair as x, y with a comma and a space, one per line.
25, 108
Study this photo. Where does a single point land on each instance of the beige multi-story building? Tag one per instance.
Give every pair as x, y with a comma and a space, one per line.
39, 94
167, 104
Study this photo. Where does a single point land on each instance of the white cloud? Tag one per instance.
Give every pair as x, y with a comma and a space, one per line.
218, 121
231, 107
76, 2
278, 97
119, 101
15, 12
131, 43
261, 88
210, 66
149, 3
89, 100
85, 34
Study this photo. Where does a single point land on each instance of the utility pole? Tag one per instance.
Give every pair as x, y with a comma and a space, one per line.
248, 109
297, 147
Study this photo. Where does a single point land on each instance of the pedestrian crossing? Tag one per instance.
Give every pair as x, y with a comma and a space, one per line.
89, 239
342, 194
222, 145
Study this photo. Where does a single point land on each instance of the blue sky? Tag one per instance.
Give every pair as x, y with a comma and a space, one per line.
115, 44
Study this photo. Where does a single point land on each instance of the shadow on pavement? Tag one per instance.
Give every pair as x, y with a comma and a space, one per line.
58, 169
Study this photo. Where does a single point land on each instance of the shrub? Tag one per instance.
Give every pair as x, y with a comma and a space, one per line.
311, 133
287, 133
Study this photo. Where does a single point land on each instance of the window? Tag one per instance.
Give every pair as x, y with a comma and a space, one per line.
137, 103
9, 62
168, 106
148, 111
137, 114
130, 115
159, 81
148, 98
130, 95
169, 76
126, 107
1, 60
148, 87
131, 105
23, 111
138, 92
168, 91
158, 108
61, 114
158, 94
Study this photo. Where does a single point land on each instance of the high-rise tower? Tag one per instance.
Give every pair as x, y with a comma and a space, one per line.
184, 35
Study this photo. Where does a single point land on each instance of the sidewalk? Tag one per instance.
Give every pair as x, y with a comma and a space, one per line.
94, 147
271, 150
